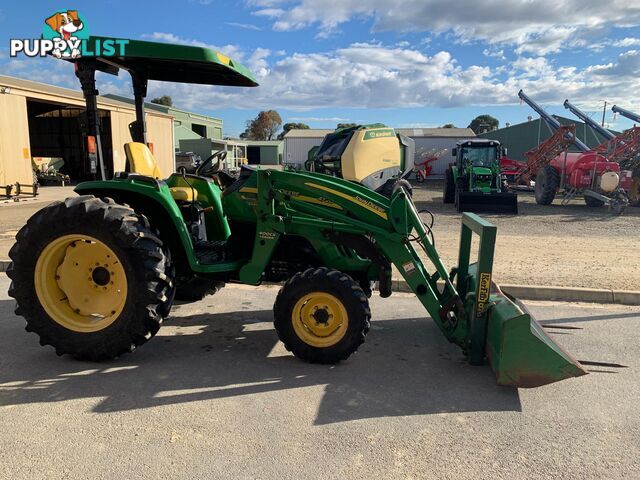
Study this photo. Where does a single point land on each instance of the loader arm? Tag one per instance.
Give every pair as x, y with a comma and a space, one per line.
473, 313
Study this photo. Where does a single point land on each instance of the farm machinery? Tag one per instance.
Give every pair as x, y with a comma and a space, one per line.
587, 172
623, 149
474, 182
424, 167
372, 155
632, 162
95, 275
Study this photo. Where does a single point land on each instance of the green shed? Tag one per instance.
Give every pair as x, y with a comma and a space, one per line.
522, 137
268, 152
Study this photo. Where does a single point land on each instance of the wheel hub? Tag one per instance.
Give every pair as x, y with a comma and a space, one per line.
80, 283
320, 319
321, 316
101, 276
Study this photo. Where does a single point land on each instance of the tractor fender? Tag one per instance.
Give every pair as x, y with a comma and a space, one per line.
151, 198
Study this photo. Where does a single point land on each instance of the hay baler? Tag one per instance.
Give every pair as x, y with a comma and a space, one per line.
95, 275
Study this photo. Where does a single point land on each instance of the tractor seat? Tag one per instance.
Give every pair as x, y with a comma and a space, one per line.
142, 161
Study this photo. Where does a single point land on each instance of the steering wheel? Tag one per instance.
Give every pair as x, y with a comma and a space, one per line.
208, 168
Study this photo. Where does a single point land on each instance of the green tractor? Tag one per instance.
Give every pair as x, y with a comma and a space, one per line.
474, 182
95, 275
372, 155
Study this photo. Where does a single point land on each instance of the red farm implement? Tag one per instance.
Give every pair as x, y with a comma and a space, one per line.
586, 172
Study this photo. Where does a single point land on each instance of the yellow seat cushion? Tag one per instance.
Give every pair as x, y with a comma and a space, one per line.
141, 160
182, 193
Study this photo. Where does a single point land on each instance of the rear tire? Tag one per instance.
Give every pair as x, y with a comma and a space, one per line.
448, 193
547, 183
107, 265
321, 315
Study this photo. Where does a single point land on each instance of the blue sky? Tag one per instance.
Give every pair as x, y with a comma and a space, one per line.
406, 63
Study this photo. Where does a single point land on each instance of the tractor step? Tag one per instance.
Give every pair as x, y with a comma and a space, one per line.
213, 252
504, 202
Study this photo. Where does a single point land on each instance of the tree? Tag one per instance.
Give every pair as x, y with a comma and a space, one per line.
292, 126
263, 127
346, 125
448, 125
165, 100
483, 123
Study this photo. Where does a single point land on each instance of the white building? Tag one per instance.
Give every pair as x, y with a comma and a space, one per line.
297, 144
430, 140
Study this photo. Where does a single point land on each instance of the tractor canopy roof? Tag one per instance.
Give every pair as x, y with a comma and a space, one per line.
171, 63
478, 142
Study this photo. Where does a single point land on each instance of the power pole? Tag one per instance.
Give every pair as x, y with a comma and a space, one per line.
604, 111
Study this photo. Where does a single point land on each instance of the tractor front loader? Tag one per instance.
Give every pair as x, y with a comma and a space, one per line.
95, 275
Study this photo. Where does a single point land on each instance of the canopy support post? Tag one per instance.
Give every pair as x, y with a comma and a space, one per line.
86, 73
138, 129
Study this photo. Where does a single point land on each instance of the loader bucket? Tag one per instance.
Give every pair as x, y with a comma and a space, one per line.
520, 352
502, 331
504, 202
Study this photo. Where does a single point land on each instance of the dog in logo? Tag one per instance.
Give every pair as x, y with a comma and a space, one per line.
66, 24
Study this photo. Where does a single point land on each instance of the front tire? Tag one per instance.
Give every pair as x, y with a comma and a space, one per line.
321, 315
90, 277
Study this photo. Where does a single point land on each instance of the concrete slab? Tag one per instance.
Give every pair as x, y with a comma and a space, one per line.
215, 395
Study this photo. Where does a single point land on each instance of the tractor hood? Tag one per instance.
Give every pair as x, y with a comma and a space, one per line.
170, 63
481, 171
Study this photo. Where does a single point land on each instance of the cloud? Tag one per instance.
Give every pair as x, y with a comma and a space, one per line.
540, 27
626, 42
365, 75
627, 66
320, 119
494, 53
246, 26
373, 75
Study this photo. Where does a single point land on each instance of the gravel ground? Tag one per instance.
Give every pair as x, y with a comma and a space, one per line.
556, 245
215, 395
569, 246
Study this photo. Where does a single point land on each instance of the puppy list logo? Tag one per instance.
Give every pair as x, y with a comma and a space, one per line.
65, 34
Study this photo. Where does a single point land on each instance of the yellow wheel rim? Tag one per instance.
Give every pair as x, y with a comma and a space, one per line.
80, 283
320, 319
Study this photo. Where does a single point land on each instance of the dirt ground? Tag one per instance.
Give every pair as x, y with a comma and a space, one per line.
557, 245
571, 245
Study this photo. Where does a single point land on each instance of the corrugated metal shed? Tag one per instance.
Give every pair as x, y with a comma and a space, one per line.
524, 136
16, 142
203, 126
432, 140
297, 144
436, 132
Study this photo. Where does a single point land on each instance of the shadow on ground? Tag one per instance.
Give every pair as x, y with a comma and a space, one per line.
405, 368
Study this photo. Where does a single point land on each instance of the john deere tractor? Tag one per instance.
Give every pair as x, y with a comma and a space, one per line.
95, 275
474, 183
373, 155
